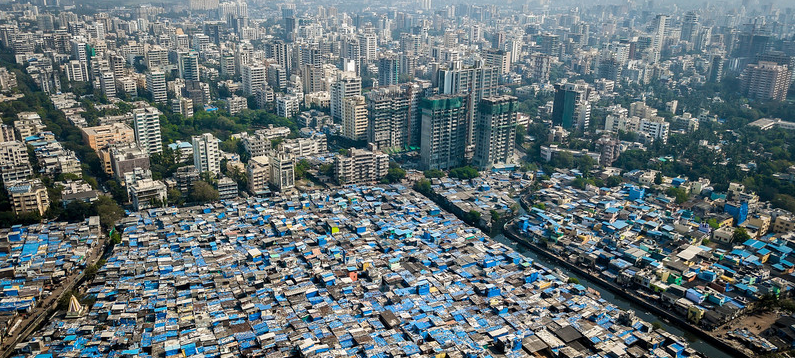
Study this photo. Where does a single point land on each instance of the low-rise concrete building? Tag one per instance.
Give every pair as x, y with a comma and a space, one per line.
148, 193
360, 166
13, 153
236, 104
100, 136
227, 188
28, 196
77, 190
258, 173
125, 159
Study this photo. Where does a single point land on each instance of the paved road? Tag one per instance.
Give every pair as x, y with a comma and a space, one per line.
43, 307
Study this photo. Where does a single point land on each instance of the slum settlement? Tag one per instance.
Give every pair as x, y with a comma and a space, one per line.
359, 272
685, 257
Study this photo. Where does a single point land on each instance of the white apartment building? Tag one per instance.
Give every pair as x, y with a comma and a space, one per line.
236, 104
287, 106
206, 155
146, 123
156, 85
347, 85
254, 78
282, 171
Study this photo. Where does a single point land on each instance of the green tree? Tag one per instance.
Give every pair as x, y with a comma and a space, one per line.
203, 192
423, 186
573, 280
326, 169
528, 167
613, 181
210, 177
115, 238
495, 215
521, 132
230, 145
156, 203
394, 175
679, 194
658, 178
163, 164
237, 175
301, 168
174, 196
740, 235
784, 201
472, 217
585, 163
633, 159
92, 270
124, 107
66, 176
433, 173
579, 183
108, 210
563, 160
91, 181
466, 172
77, 210
117, 191
713, 223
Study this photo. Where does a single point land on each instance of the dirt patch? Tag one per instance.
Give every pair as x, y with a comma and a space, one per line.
755, 323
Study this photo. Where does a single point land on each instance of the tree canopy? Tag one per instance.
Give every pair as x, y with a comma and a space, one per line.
466, 172
679, 194
203, 192
740, 235
394, 175
472, 217
423, 186
301, 168
433, 173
